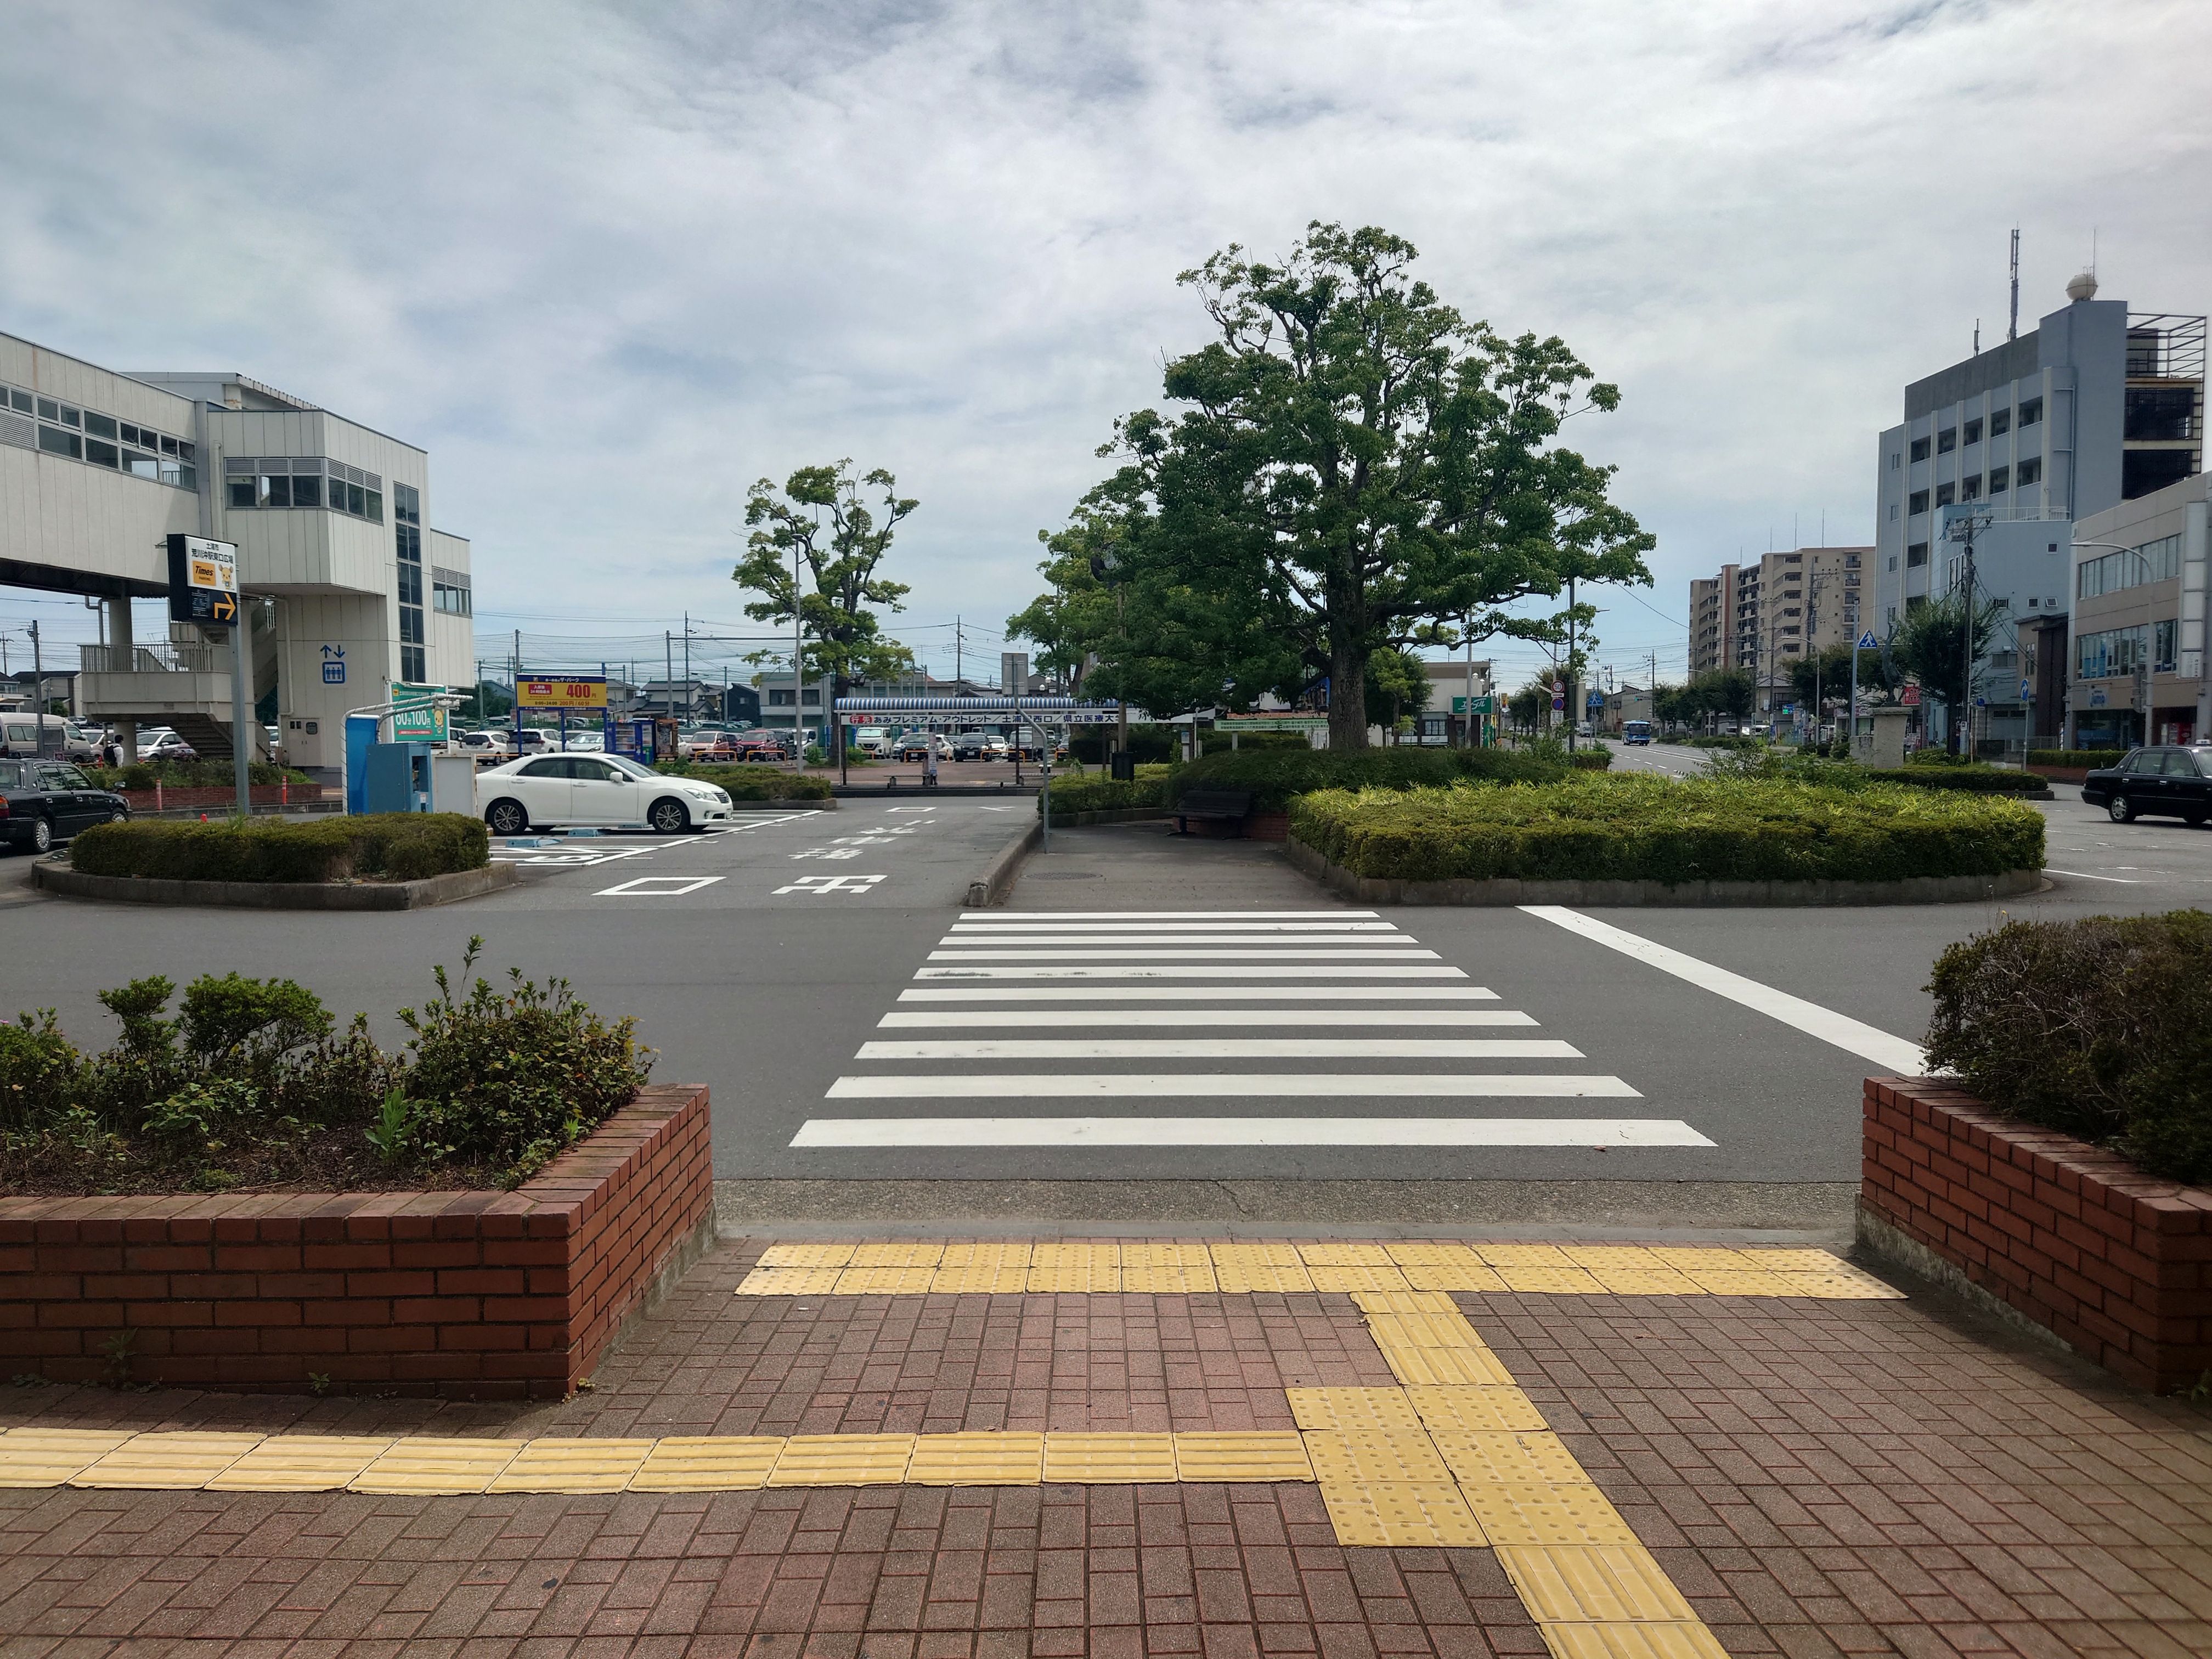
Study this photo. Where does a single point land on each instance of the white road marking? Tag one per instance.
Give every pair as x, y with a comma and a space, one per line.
1592, 1132
1191, 993
1390, 943
2083, 875
1183, 956
831, 885
1109, 929
1249, 972
657, 887
1852, 1036
1186, 1017
1222, 1049
1055, 918
1156, 1084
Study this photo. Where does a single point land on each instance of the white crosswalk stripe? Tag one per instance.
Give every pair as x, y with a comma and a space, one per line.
1105, 985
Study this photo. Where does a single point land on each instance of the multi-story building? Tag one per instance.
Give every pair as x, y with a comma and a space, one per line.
1713, 622
348, 590
1761, 616
2139, 592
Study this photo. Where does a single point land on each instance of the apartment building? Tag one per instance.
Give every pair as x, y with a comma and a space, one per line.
2139, 592
1713, 622
1761, 615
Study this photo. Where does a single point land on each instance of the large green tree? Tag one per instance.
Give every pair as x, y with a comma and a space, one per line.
820, 518
1929, 643
1355, 466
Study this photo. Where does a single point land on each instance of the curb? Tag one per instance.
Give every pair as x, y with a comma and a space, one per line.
447, 889
1711, 895
996, 883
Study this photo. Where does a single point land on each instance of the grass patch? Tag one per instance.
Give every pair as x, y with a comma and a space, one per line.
380, 846
1642, 828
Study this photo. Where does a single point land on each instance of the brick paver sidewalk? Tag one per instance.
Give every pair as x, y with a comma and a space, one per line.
1789, 1473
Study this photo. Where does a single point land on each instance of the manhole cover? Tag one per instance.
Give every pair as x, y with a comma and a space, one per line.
1066, 875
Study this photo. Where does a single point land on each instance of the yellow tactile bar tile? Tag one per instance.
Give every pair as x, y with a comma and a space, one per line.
53, 1457
302, 1462
920, 1266
1115, 1460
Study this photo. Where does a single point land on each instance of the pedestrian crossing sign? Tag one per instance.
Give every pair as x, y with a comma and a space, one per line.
1868, 642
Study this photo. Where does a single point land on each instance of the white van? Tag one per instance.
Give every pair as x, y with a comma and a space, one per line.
21, 737
871, 739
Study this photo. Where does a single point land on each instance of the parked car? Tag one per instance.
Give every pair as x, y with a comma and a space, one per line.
974, 745
26, 735
168, 746
2160, 782
756, 746
610, 791
917, 745
589, 742
42, 802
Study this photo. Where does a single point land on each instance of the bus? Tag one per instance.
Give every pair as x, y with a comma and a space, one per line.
1636, 732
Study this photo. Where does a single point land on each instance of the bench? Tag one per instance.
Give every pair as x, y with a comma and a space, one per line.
1223, 804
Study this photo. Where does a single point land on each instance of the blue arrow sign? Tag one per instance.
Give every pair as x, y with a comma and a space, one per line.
1868, 642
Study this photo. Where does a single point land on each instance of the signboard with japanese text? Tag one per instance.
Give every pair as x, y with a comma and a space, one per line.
415, 718
202, 581
562, 691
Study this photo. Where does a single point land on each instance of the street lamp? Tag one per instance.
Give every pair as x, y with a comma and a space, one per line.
2150, 631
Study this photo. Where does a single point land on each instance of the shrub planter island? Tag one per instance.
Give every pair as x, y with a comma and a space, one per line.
1642, 839
2063, 1177
241, 1196
757, 784
2072, 765
379, 862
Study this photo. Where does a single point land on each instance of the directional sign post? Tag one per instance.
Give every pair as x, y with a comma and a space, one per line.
1865, 642
203, 589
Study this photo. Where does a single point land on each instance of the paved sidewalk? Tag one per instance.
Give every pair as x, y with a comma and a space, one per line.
1796, 1474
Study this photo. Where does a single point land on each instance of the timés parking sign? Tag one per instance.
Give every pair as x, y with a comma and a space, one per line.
202, 581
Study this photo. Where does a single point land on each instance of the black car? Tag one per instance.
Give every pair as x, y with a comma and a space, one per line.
2163, 782
44, 801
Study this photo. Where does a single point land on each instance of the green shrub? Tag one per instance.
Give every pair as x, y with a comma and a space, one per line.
186, 774
1217, 743
1977, 779
1148, 743
2091, 758
2100, 1027
1641, 827
395, 845
1730, 741
1590, 760
1273, 776
41, 1073
753, 780
1941, 757
1106, 794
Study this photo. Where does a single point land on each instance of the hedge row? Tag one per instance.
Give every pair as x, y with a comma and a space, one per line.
393, 846
1272, 777
1103, 793
1639, 827
2091, 758
1981, 780
1591, 760
754, 781
187, 775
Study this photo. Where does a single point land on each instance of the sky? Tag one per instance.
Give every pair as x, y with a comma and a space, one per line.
610, 263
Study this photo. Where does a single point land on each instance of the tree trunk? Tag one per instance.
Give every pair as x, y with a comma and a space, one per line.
1347, 697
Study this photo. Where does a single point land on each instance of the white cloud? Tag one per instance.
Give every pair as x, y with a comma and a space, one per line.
610, 263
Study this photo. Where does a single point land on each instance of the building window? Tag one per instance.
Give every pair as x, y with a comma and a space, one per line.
406, 504
1915, 556
2028, 471
450, 593
1973, 432
55, 441
1920, 449
2000, 480
102, 440
2109, 654
1971, 491
1919, 504
2030, 411
1892, 562
1947, 441
2000, 422
2141, 471
408, 539
1896, 459
1945, 495
413, 669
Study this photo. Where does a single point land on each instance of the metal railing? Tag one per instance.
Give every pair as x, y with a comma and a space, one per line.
153, 659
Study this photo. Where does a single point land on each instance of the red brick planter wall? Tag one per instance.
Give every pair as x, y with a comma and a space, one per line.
223, 796
2116, 1262
488, 1294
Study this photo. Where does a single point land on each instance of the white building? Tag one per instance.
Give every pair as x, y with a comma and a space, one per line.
356, 591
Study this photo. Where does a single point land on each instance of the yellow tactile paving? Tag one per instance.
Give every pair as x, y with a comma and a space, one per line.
1358, 1276
302, 1462
1592, 1584
1357, 1457
166, 1461
843, 1459
50, 1457
1271, 1455
1736, 1281
1092, 1268
1110, 1459
983, 1269
1444, 1328
908, 1253
1011, 1458
1779, 1260
1404, 1515
1546, 1281
1396, 1301
806, 1256
436, 1464
1512, 1458
708, 1463
573, 1466
1684, 1638
1242, 1269
1167, 1269
1417, 1363
1352, 1408
1488, 1409
1645, 1281
1530, 1514
1346, 1255
791, 1281
1525, 1255
884, 1279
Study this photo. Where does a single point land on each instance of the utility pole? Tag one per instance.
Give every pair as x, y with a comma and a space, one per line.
1574, 685
687, 658
957, 655
668, 674
514, 686
37, 695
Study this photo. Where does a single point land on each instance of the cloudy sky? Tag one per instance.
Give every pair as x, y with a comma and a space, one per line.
610, 262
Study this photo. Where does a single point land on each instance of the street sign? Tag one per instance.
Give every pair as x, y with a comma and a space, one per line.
2027, 690
415, 718
1868, 642
202, 581
1909, 696
1014, 671
1481, 706
334, 664
561, 690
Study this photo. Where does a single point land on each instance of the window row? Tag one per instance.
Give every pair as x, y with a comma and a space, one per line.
2115, 652
97, 440
1998, 480
2154, 562
455, 599
273, 480
2000, 422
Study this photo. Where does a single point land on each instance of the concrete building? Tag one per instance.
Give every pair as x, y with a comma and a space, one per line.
1713, 622
349, 589
1763, 616
1450, 683
2139, 594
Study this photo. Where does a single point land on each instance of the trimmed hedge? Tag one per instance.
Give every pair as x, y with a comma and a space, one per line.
1590, 760
188, 775
2091, 758
754, 781
1639, 827
1976, 780
1273, 776
1106, 794
2100, 1027
392, 846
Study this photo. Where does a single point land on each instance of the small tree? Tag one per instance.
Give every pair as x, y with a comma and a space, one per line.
1931, 645
1400, 680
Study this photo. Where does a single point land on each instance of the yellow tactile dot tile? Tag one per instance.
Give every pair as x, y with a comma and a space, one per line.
989, 1268
1736, 1281
1551, 1281
885, 1280
49, 1457
1587, 1583
1242, 1269
985, 1458
1167, 1269
1671, 1639
1776, 1259
1096, 1269
791, 1281
1525, 1255
842, 1460
1691, 1258
302, 1462
1529, 1513
1402, 1515
435, 1463
1352, 1408
1645, 1281
995, 1252
573, 1466
1471, 1276
166, 1461
1110, 1459
1354, 1456
898, 1253
1269, 1455
1529, 1457
806, 1256
1394, 1301
1345, 1255
708, 1463
1495, 1409
1847, 1285
1610, 1256
1357, 1277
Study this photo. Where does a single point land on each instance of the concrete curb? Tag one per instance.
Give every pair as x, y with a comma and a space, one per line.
996, 883
279, 895
1711, 895
1111, 815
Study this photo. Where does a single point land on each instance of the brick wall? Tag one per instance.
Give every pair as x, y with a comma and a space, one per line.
488, 1294
2116, 1262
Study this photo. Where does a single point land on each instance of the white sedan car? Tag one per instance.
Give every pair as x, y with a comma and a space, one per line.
606, 791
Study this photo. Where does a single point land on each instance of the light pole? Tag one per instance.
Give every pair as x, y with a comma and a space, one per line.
2150, 632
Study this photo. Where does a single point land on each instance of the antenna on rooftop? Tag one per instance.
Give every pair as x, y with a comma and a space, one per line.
2012, 328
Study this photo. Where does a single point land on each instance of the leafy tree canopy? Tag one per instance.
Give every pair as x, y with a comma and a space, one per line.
840, 541
1930, 644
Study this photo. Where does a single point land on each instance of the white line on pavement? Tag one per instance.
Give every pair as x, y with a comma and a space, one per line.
1382, 955
1853, 1036
1249, 972
658, 887
1022, 929
1192, 993
1156, 1084
1222, 1049
1053, 919
1393, 942
1592, 1132
1184, 1017
2083, 875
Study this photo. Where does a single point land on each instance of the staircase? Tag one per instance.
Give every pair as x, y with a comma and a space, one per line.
210, 738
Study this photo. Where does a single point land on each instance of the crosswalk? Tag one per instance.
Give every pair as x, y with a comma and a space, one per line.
1308, 1028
